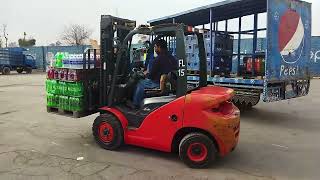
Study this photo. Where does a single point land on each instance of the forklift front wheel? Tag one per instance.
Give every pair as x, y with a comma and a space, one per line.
108, 132
197, 150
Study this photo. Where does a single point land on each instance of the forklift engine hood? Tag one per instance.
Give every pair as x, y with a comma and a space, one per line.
211, 95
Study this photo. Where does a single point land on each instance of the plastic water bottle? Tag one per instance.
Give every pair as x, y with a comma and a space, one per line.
48, 85
71, 59
49, 100
66, 61
64, 102
55, 87
75, 103
80, 61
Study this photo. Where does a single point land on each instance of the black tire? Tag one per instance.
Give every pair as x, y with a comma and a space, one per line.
104, 140
249, 106
193, 140
28, 70
240, 106
6, 71
19, 70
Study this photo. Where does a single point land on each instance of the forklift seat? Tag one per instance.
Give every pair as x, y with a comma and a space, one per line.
167, 86
158, 91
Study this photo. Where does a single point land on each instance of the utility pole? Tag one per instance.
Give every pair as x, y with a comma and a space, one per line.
5, 34
117, 12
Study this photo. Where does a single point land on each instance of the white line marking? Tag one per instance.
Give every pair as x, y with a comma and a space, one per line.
285, 147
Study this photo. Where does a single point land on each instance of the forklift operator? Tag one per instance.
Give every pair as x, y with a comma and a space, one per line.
164, 63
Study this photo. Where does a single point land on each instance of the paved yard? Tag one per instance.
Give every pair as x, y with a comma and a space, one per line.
277, 141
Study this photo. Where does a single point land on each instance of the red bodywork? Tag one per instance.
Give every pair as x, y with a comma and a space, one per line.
207, 109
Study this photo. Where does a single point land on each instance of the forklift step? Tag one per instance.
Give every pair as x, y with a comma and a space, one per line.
131, 128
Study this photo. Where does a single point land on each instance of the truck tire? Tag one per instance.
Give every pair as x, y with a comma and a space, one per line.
246, 100
19, 70
28, 70
108, 132
197, 150
6, 71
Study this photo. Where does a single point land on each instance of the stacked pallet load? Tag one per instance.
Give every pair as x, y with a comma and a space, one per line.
253, 68
66, 85
192, 52
221, 52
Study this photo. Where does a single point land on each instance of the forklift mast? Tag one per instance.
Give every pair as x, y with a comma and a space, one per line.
112, 33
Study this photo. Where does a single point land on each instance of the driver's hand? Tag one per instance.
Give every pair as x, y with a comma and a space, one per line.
145, 72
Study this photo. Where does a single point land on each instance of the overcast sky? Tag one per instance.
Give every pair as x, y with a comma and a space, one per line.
45, 19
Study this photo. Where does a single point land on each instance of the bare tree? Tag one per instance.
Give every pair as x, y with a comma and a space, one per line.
76, 34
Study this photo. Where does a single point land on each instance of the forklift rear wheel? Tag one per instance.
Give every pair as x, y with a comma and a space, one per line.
6, 71
108, 132
197, 150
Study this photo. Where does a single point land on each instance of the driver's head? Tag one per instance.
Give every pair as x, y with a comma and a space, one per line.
160, 46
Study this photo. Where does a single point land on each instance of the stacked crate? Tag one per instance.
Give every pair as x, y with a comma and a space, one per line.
221, 52
192, 52
253, 68
65, 91
72, 84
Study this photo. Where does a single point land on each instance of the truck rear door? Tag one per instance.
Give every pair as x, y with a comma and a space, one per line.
315, 56
288, 49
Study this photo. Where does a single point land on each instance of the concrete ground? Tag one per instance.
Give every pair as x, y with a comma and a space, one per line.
277, 141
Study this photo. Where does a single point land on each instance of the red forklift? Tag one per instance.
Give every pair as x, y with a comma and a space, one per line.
197, 121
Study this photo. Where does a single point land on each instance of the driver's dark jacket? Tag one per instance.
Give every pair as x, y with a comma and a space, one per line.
163, 64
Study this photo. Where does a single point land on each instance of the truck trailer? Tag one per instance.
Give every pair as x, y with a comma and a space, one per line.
279, 72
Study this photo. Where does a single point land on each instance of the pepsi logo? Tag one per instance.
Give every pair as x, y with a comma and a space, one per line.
291, 36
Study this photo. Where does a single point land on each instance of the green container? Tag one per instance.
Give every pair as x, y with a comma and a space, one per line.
76, 103
59, 58
64, 103
52, 100
48, 85
75, 89
63, 88
52, 86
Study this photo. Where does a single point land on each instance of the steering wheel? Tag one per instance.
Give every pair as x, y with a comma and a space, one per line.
137, 74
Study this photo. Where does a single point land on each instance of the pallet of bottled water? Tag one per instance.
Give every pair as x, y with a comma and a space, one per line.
75, 61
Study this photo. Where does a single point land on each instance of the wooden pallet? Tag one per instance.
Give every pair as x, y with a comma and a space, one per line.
74, 114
